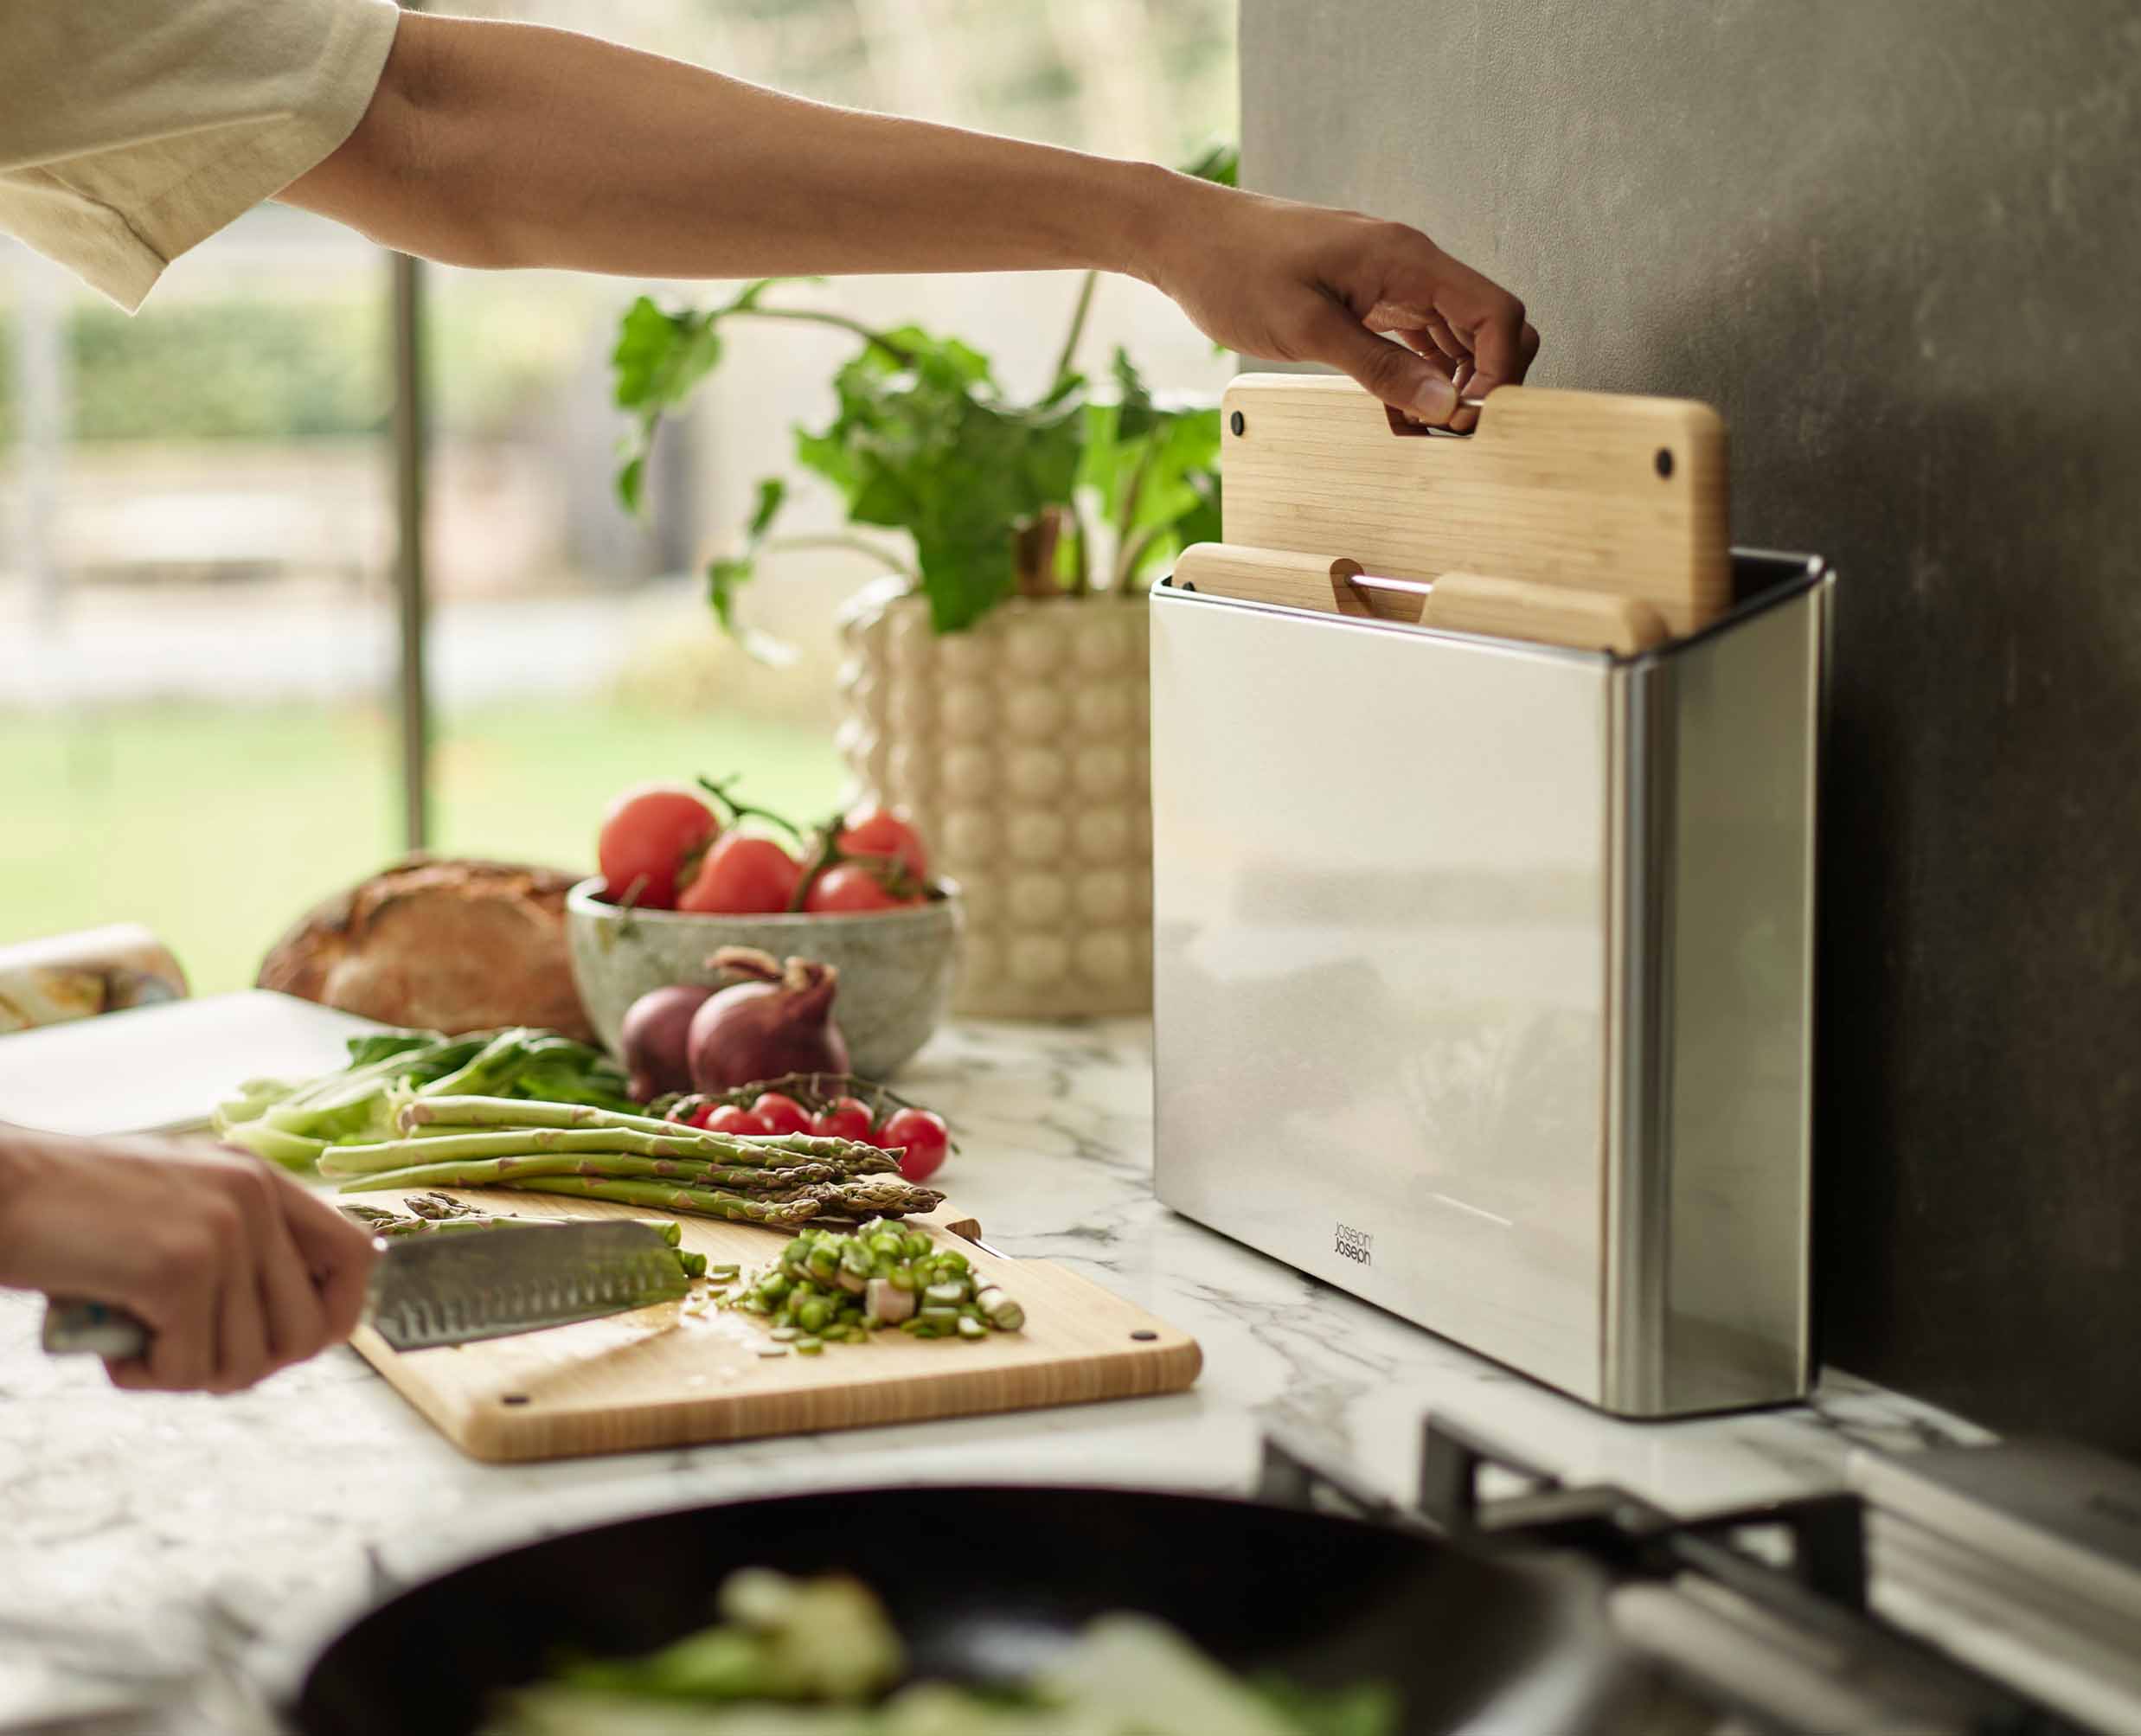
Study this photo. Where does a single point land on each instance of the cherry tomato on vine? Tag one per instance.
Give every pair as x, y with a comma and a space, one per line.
781, 1113
727, 1118
647, 837
846, 1118
924, 1139
851, 890
882, 831
742, 876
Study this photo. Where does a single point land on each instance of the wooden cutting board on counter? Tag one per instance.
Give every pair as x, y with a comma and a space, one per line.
1624, 496
677, 1374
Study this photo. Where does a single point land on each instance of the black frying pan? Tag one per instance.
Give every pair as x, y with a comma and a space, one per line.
985, 1581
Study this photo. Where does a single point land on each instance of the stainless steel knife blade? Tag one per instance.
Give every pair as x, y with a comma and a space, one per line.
457, 1290
434, 1290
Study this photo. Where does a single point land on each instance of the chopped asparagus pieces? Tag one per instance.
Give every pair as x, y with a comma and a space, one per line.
826, 1286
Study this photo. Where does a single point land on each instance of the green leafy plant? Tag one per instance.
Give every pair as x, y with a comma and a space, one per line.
999, 497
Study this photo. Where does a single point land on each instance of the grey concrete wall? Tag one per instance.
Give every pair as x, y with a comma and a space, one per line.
1899, 245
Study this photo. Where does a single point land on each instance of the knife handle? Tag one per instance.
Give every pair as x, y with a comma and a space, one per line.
92, 1329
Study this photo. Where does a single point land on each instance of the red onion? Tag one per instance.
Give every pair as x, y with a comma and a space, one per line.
655, 1039
778, 1020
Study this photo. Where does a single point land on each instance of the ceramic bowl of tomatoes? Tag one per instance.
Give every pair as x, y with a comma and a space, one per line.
678, 886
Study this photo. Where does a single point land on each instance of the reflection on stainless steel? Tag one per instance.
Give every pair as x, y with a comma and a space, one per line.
1517, 941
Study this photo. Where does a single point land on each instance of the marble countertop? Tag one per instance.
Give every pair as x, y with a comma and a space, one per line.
161, 1555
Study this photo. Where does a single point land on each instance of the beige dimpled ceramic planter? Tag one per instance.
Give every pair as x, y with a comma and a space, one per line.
1020, 748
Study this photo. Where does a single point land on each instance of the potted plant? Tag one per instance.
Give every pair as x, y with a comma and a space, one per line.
996, 684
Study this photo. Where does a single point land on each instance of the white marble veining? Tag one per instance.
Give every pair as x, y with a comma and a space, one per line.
168, 1549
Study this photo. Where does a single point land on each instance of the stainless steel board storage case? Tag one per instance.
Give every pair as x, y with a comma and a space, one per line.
1483, 976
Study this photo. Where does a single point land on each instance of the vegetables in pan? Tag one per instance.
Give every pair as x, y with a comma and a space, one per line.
293, 1124
821, 1657
780, 1181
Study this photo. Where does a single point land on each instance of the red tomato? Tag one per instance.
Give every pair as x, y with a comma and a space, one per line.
781, 1114
647, 834
885, 832
742, 876
848, 1118
849, 889
730, 1119
924, 1138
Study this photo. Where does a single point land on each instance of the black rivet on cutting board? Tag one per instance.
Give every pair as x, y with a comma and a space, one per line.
514, 1399
1237, 421
1144, 1335
1664, 461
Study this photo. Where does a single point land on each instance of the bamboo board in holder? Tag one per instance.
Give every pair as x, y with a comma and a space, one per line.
1625, 496
672, 1375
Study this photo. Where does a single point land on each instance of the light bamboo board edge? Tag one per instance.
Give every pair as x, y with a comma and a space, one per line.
669, 1376
1518, 609
1559, 488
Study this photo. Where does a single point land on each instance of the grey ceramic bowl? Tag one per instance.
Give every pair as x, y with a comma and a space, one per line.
896, 966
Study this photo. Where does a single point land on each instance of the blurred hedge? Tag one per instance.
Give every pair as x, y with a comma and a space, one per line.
266, 368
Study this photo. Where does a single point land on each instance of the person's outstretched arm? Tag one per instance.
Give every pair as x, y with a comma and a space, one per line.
499, 144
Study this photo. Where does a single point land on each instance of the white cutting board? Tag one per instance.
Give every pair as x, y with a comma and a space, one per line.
165, 1067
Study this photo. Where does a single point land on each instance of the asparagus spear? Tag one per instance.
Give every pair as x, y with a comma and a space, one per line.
427, 1118
440, 1206
494, 1172
780, 1215
384, 1223
460, 1110
846, 1155
291, 1150
438, 1215
873, 1195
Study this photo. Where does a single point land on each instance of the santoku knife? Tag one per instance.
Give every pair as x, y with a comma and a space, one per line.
433, 1291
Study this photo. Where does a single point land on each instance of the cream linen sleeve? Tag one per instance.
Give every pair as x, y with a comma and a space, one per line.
132, 130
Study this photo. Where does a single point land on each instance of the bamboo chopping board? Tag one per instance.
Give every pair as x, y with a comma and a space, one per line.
1621, 494
681, 1374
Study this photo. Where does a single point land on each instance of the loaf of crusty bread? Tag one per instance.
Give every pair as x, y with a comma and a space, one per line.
440, 944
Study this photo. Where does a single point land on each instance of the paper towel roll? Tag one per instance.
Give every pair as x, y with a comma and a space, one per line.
78, 976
